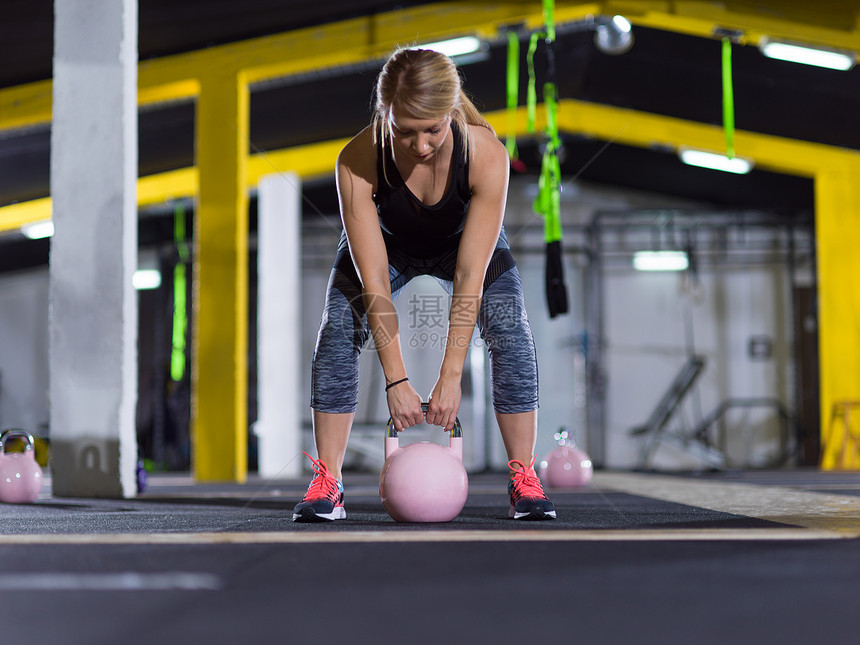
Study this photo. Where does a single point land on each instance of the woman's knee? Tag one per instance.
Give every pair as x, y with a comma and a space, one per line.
344, 320
506, 331
342, 333
503, 320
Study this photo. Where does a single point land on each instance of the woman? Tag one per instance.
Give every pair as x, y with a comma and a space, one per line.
422, 190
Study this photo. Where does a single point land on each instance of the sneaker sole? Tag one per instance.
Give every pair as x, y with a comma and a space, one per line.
534, 514
309, 515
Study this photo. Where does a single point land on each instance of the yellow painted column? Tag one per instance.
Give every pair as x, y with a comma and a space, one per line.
837, 230
219, 417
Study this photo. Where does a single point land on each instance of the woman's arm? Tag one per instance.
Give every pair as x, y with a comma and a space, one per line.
355, 173
489, 169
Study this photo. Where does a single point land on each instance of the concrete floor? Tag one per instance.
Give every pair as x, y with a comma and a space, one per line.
754, 557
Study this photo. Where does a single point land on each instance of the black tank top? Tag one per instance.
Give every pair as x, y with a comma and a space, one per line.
409, 224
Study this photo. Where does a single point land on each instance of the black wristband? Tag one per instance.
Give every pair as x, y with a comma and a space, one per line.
391, 385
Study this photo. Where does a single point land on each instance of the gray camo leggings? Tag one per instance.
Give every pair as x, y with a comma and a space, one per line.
502, 323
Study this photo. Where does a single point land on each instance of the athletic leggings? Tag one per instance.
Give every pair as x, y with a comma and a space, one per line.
502, 323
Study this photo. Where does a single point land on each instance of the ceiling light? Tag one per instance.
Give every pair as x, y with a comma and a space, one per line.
796, 53
660, 261
38, 230
613, 35
715, 161
455, 46
146, 279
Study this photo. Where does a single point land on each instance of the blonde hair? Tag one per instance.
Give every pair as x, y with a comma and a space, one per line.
425, 85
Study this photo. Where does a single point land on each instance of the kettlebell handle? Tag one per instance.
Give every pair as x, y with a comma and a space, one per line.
456, 431
16, 433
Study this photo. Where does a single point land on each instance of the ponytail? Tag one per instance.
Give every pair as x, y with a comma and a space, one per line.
466, 114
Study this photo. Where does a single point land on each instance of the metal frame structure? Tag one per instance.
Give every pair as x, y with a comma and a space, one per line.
646, 230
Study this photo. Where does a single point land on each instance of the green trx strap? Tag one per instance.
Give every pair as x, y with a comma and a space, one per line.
513, 89
531, 96
548, 201
728, 99
180, 318
549, 19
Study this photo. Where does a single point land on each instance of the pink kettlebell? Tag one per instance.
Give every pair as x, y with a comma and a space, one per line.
566, 466
20, 475
423, 481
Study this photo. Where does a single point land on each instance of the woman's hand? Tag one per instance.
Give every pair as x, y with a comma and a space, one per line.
444, 402
404, 406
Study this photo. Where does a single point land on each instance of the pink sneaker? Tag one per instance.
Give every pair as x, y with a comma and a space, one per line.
324, 500
528, 501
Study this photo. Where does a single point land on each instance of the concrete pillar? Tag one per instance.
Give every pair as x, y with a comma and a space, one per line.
476, 437
279, 360
93, 323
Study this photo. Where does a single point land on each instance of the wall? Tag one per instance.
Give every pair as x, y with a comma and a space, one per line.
653, 320
24, 351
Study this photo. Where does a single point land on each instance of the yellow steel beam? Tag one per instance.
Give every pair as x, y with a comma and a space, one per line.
308, 161
642, 129
30, 104
167, 186
362, 39
150, 91
304, 50
219, 356
26, 105
799, 21
607, 123
14, 216
357, 40
837, 237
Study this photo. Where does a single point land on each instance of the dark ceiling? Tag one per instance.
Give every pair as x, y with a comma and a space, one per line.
664, 73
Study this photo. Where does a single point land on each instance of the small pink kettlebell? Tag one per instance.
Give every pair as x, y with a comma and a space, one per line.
566, 466
423, 481
20, 475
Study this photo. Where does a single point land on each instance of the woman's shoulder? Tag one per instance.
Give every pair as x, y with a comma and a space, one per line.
359, 154
486, 152
485, 144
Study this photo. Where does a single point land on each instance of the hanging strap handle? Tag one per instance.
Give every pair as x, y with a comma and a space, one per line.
180, 306
728, 99
513, 88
